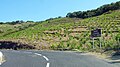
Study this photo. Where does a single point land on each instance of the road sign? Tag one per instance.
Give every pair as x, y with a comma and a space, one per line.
96, 33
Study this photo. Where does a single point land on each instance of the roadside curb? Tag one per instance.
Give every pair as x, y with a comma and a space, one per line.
103, 57
113, 61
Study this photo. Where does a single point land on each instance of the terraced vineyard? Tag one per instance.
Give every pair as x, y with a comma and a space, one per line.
7, 28
70, 33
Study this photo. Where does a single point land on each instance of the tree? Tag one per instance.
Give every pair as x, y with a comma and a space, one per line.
95, 12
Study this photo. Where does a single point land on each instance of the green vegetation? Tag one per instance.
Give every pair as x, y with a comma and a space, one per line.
95, 12
70, 33
12, 27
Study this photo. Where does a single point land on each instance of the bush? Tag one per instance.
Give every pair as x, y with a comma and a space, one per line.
117, 37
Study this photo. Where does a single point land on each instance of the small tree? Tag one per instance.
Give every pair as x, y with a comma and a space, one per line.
118, 37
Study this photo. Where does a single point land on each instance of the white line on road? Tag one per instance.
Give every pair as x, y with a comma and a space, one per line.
38, 54
48, 65
1, 57
46, 58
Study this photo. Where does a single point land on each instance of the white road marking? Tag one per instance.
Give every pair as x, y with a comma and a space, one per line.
38, 54
1, 57
48, 65
46, 58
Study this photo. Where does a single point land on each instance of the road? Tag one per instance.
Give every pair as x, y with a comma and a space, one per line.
51, 59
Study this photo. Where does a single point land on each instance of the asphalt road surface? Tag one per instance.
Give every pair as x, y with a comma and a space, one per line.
52, 59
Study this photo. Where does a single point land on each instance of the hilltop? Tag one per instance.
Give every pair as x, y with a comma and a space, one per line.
95, 12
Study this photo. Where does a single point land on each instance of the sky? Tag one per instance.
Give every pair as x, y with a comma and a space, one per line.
39, 10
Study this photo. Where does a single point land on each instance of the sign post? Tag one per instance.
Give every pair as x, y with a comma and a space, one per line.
100, 43
93, 44
96, 33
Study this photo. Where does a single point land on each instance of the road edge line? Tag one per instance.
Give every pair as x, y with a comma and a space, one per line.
2, 59
48, 65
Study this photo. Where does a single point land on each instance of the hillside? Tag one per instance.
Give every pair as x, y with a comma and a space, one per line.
95, 12
8, 28
70, 33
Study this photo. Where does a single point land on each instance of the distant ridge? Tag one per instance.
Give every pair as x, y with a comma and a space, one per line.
95, 12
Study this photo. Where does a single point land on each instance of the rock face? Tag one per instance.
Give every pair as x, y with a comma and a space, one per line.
1, 58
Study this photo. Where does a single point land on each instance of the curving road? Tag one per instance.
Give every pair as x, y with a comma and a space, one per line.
51, 59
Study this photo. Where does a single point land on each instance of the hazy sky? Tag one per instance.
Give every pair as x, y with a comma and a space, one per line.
37, 10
